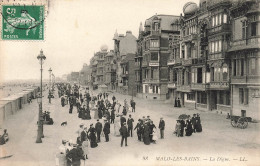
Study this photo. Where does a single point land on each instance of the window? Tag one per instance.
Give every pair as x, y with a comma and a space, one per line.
242, 67
151, 73
154, 57
202, 97
212, 47
213, 21
220, 18
225, 72
244, 29
254, 65
234, 67
253, 28
190, 96
154, 43
216, 46
199, 75
241, 96
216, 18
156, 26
224, 18
219, 45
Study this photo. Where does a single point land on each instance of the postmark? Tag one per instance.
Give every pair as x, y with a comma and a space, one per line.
22, 22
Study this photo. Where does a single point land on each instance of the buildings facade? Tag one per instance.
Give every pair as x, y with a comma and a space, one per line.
208, 57
123, 45
151, 59
245, 58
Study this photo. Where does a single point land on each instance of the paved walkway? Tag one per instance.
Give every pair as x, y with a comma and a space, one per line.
218, 139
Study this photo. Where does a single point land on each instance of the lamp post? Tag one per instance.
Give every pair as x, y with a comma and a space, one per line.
49, 96
41, 57
53, 81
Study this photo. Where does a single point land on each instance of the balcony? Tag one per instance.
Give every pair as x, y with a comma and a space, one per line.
216, 56
198, 61
186, 62
171, 62
151, 81
153, 63
204, 41
125, 74
144, 64
220, 28
184, 88
189, 37
219, 85
199, 86
244, 44
155, 33
99, 73
171, 85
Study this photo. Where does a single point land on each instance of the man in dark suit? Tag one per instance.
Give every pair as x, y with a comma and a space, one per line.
161, 127
122, 120
130, 121
75, 155
98, 128
84, 135
139, 128
193, 122
106, 130
124, 133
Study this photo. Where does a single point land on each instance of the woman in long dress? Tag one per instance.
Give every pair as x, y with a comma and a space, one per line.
117, 126
85, 146
146, 136
178, 128
189, 129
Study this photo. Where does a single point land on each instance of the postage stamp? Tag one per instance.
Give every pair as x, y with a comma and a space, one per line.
22, 22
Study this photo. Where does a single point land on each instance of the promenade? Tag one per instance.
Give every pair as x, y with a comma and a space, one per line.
218, 140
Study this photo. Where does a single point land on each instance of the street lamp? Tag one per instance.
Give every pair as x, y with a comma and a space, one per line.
41, 57
49, 96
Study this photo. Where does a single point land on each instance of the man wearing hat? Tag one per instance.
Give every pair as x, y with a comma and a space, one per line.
122, 120
161, 127
83, 134
139, 128
75, 155
98, 128
130, 121
193, 122
106, 130
124, 133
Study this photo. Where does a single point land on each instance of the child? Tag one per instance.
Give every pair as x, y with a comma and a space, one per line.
178, 128
155, 137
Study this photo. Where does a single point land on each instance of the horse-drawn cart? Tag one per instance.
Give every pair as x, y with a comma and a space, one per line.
240, 121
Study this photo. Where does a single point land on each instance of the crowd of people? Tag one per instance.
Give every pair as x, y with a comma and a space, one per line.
107, 113
189, 126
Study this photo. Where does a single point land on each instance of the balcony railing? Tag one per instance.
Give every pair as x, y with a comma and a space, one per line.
220, 28
184, 88
171, 62
199, 86
186, 61
151, 81
190, 37
246, 42
171, 85
155, 33
219, 85
153, 63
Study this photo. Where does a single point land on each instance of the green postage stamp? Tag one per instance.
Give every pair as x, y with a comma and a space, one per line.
22, 22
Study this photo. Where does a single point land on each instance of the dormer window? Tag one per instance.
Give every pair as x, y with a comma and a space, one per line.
156, 26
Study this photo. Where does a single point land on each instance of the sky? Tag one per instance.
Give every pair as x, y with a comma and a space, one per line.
74, 30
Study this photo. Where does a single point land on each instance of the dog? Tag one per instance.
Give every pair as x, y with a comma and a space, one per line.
64, 123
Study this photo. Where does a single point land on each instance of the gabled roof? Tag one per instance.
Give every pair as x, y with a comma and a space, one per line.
166, 21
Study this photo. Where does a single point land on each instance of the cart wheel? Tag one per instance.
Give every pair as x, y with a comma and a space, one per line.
242, 122
233, 123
